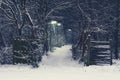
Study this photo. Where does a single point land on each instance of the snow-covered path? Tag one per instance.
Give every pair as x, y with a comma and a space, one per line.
60, 57
59, 66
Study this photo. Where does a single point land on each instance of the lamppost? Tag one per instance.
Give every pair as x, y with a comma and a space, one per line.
52, 25
58, 27
69, 36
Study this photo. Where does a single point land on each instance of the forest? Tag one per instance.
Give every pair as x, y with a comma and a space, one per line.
29, 29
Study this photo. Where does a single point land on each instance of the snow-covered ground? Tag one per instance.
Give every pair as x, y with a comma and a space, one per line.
59, 66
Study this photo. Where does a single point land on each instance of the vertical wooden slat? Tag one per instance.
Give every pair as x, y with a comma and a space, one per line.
110, 52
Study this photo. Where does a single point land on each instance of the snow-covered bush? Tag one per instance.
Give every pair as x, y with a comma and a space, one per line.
6, 55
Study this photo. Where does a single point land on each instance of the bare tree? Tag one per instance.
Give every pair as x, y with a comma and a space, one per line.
16, 13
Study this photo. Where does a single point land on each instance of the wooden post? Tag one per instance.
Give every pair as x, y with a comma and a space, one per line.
88, 51
110, 52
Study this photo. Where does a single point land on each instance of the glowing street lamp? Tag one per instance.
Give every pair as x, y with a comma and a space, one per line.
69, 30
53, 22
59, 24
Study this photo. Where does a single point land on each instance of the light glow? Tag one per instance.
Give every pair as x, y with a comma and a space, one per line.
53, 22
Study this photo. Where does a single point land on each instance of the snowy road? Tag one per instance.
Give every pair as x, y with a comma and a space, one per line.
59, 66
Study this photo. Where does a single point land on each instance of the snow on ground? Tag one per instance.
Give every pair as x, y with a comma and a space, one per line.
61, 57
59, 66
